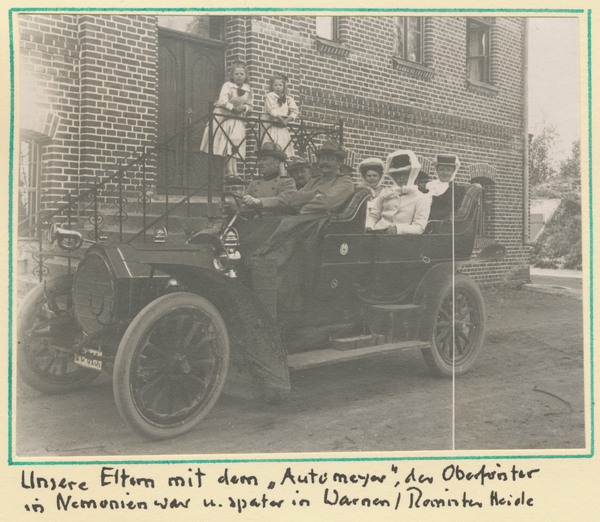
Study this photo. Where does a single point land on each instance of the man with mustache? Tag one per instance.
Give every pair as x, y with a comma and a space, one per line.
325, 194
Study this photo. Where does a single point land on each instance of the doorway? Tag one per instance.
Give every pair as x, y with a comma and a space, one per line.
191, 71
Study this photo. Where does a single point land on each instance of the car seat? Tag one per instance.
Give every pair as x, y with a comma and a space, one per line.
464, 216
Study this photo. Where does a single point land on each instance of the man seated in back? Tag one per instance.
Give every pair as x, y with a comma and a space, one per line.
328, 193
271, 190
299, 170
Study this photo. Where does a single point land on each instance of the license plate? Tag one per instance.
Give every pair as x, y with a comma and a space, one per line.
94, 364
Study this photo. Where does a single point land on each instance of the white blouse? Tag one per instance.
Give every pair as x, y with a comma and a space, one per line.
287, 109
228, 98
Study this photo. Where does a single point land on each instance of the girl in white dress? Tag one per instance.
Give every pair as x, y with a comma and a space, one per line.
280, 109
229, 133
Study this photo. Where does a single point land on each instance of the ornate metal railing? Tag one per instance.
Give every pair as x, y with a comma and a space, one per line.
157, 181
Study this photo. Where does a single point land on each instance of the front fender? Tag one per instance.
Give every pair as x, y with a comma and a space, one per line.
258, 365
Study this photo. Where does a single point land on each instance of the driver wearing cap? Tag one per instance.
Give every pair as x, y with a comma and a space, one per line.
271, 189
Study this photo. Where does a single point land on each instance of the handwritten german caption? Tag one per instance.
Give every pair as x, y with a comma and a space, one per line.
210, 488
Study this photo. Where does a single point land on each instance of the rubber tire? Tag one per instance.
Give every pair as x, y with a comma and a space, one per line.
135, 341
435, 360
29, 310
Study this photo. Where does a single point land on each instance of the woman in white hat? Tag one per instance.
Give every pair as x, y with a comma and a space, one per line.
443, 188
371, 172
401, 209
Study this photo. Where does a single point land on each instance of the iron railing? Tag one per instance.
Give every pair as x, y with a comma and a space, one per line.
164, 177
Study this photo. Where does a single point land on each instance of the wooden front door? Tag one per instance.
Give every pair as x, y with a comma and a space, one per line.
191, 71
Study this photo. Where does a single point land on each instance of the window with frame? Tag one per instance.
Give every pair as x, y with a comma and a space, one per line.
408, 38
30, 165
478, 50
327, 27
216, 27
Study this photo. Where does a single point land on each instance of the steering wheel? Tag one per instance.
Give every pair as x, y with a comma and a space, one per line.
241, 208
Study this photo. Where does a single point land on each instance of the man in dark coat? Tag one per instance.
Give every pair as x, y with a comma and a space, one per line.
272, 189
291, 247
328, 193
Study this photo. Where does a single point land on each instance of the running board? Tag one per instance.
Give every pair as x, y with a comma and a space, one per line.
301, 361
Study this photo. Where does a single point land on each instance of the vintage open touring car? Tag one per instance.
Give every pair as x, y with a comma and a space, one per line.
178, 324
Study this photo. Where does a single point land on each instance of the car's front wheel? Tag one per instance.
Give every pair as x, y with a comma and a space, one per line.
47, 337
171, 365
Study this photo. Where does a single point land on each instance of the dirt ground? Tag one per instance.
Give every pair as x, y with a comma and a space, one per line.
525, 391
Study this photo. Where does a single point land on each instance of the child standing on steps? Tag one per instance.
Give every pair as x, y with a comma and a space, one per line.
229, 133
280, 109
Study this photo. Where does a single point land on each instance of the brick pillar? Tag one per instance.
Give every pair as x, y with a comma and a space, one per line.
118, 91
236, 35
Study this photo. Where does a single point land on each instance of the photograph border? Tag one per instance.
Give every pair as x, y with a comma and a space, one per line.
588, 451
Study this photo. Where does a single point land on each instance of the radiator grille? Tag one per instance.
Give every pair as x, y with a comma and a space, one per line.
93, 293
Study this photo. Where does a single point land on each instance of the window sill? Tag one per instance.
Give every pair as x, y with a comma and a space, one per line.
331, 47
482, 88
412, 68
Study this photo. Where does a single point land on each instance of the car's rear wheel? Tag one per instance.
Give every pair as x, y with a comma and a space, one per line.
47, 332
171, 365
458, 330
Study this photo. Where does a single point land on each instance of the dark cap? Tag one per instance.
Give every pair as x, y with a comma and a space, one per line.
297, 163
446, 159
273, 150
331, 147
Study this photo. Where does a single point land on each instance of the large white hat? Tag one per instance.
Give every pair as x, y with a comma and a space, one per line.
403, 161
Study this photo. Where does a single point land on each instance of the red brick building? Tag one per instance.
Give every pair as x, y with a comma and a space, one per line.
97, 88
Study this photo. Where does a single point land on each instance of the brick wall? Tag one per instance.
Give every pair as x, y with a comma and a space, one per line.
49, 85
385, 108
118, 89
96, 75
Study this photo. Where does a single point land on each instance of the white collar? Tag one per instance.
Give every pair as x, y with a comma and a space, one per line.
395, 192
437, 187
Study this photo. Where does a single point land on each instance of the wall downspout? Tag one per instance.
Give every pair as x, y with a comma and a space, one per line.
526, 238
